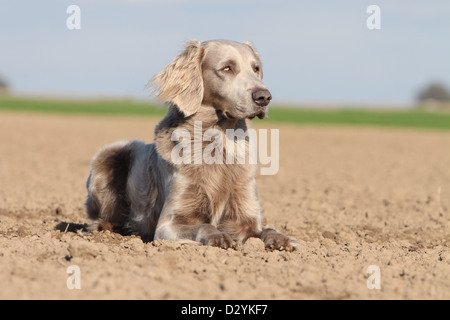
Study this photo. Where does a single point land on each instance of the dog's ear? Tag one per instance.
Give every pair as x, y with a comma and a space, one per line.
256, 56
181, 82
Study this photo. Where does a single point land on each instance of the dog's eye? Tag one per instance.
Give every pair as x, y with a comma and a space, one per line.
227, 68
256, 69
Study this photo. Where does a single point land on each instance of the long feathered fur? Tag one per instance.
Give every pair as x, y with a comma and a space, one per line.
181, 81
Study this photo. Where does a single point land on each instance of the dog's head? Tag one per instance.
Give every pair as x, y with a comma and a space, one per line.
226, 75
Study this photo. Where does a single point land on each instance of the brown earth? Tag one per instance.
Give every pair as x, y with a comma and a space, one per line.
352, 196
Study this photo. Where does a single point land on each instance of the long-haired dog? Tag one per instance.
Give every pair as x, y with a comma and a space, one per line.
137, 188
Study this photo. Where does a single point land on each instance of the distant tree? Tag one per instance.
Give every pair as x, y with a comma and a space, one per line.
434, 92
3, 86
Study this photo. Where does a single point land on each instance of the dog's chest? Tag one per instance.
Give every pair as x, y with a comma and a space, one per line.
224, 189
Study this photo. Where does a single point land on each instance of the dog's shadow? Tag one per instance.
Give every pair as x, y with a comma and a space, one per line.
86, 228
72, 227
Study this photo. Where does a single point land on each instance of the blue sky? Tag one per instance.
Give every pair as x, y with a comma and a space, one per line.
312, 51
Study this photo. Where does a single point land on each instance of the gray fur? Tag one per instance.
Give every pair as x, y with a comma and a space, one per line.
136, 188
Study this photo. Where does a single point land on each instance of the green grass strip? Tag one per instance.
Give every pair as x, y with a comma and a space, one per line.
411, 118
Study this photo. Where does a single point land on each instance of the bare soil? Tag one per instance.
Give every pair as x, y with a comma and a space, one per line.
352, 196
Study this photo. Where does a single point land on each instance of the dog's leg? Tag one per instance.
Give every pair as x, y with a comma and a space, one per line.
275, 240
204, 233
189, 214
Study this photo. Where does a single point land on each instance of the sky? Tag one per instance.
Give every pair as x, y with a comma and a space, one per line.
318, 52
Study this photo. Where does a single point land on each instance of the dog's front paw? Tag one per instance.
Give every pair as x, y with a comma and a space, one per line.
221, 240
274, 240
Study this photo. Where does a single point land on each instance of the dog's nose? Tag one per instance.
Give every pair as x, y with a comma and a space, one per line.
262, 97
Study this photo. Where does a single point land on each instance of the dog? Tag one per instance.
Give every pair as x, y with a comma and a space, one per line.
137, 188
